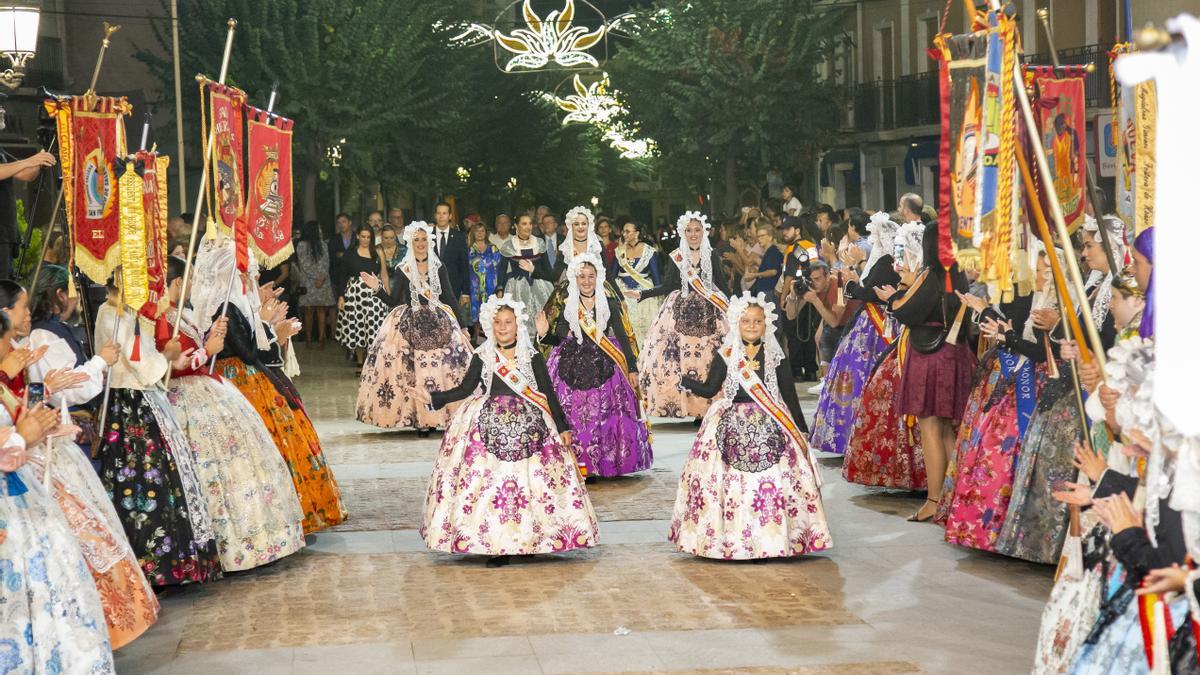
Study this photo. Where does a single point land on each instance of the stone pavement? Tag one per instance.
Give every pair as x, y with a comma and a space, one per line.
368, 597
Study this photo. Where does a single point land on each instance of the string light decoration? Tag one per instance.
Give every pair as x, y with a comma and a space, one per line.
598, 104
554, 38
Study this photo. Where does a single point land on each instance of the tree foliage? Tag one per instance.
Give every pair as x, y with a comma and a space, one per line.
730, 88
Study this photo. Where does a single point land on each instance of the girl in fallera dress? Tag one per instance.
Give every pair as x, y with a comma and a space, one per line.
129, 603
636, 268
885, 445
520, 276
253, 504
51, 616
862, 345
421, 346
146, 461
750, 488
506, 480
595, 375
246, 361
690, 325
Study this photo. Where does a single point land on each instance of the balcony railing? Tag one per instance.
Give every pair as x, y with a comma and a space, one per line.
1095, 84
913, 100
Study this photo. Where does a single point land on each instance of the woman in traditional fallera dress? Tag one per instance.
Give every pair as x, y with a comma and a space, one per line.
506, 481
129, 603
861, 346
253, 504
595, 375
636, 268
244, 361
690, 325
51, 617
420, 345
581, 225
146, 461
750, 488
885, 446
983, 487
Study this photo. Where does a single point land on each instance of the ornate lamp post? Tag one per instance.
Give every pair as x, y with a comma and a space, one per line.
18, 39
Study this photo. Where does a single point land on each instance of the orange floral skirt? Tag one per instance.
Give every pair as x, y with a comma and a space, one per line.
320, 498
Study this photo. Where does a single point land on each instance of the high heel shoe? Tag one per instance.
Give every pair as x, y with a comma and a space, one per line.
915, 518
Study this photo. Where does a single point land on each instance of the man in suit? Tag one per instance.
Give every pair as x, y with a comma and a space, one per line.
549, 228
341, 242
451, 248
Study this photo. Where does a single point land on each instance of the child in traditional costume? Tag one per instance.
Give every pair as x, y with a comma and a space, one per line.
420, 345
595, 375
506, 480
750, 488
690, 325
253, 504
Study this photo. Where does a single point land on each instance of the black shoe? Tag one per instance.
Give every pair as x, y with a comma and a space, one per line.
696, 422
497, 561
422, 433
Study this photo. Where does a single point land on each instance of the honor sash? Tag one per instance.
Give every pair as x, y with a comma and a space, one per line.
516, 380
880, 321
692, 279
415, 274
1020, 370
588, 327
627, 266
754, 386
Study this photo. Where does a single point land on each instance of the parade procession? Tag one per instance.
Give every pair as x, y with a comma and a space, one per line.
611, 336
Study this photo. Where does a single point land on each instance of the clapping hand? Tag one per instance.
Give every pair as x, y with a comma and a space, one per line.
1171, 579
370, 280
1117, 513
885, 292
19, 359
61, 379
1075, 494
36, 423
976, 303
1089, 461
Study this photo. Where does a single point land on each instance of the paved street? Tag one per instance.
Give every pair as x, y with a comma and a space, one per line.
368, 597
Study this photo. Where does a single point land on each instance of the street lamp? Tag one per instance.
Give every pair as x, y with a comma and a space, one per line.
18, 40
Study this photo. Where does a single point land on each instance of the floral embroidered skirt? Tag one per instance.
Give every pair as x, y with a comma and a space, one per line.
51, 618
1036, 523
253, 504
130, 606
146, 465
884, 449
747, 491
610, 435
641, 315
987, 375
294, 436
418, 347
983, 487
503, 484
682, 341
848, 372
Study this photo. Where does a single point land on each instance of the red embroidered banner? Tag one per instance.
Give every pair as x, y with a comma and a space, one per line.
269, 200
228, 164
94, 139
1061, 109
154, 204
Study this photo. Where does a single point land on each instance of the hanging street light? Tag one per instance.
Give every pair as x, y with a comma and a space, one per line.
18, 39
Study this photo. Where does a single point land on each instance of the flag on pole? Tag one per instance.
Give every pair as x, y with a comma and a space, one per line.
269, 203
228, 166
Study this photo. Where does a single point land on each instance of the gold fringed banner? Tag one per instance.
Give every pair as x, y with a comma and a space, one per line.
1145, 118
134, 276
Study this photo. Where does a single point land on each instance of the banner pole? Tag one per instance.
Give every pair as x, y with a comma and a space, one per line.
208, 145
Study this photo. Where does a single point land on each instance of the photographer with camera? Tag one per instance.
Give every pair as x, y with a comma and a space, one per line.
815, 286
